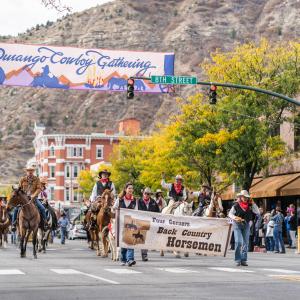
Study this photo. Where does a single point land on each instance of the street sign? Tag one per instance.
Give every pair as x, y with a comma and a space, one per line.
168, 79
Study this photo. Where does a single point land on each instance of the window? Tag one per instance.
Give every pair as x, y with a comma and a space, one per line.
99, 152
67, 194
51, 151
67, 171
51, 193
74, 151
52, 171
75, 195
75, 171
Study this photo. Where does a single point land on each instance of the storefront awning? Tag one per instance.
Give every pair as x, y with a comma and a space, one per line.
229, 194
271, 186
291, 189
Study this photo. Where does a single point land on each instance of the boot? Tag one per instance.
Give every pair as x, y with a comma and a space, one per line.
14, 227
46, 225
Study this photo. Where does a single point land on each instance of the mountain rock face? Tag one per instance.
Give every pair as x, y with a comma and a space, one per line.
190, 28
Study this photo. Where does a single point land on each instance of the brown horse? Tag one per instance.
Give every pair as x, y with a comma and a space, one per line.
28, 219
4, 225
103, 219
90, 222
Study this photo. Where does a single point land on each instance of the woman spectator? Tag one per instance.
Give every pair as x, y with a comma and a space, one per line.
242, 213
293, 229
126, 200
159, 199
278, 219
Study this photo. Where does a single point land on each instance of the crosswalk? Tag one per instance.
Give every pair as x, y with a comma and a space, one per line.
276, 273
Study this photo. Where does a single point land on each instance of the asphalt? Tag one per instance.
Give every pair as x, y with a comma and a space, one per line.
73, 271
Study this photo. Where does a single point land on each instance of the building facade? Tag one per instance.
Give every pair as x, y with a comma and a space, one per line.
60, 158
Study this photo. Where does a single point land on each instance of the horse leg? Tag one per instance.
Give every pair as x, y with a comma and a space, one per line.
98, 242
34, 244
104, 243
0, 239
177, 254
26, 240
5, 240
22, 254
162, 253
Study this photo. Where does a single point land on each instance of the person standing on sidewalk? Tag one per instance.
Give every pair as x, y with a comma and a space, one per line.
146, 203
242, 213
63, 223
293, 229
278, 219
126, 200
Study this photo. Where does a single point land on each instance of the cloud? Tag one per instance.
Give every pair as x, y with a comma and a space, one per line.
16, 16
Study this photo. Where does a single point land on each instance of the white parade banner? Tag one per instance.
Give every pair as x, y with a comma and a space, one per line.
154, 231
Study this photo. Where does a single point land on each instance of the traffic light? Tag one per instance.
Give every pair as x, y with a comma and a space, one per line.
130, 88
213, 95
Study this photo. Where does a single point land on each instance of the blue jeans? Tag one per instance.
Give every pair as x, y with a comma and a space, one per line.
63, 233
288, 234
269, 243
278, 240
241, 237
15, 214
127, 255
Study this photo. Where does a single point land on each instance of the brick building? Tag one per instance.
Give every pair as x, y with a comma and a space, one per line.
60, 158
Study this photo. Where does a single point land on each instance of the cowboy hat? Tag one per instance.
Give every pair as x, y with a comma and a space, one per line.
243, 193
104, 172
29, 168
206, 186
178, 177
158, 191
147, 190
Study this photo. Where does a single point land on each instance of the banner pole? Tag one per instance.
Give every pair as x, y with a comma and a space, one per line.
118, 225
228, 236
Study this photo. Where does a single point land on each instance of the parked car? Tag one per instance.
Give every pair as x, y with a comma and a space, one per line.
77, 232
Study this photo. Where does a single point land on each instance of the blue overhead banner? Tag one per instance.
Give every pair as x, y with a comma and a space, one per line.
81, 69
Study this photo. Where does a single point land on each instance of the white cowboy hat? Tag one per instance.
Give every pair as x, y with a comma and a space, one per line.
147, 190
179, 177
243, 193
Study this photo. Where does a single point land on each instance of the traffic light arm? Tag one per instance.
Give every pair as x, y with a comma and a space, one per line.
241, 87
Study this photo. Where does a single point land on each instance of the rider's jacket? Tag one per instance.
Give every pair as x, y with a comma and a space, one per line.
177, 196
101, 188
151, 206
203, 199
30, 185
247, 215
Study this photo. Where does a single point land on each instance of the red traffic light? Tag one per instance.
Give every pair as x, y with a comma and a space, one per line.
213, 87
130, 81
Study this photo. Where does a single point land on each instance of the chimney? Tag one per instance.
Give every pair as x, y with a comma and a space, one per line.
130, 126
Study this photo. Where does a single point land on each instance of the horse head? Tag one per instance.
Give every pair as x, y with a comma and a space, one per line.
188, 208
18, 196
107, 199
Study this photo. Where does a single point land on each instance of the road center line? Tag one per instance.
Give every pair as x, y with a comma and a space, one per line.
72, 272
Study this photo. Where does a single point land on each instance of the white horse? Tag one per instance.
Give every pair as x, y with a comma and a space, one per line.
181, 208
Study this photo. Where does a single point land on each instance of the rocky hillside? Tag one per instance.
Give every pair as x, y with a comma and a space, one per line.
191, 28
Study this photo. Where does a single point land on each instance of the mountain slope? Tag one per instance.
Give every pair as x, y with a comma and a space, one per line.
191, 28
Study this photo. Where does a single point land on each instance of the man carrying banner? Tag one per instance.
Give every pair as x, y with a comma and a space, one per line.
146, 203
242, 213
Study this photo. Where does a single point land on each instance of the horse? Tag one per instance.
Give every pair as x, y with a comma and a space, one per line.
90, 222
103, 220
43, 235
112, 240
215, 208
4, 225
28, 219
180, 208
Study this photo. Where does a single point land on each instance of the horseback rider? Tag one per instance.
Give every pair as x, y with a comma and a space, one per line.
43, 198
103, 184
177, 191
31, 185
204, 198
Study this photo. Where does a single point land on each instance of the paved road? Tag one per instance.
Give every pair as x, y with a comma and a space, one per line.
74, 272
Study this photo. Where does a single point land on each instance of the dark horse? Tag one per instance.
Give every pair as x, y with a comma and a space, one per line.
28, 219
4, 224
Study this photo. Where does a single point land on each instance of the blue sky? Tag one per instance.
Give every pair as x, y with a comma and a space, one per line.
18, 15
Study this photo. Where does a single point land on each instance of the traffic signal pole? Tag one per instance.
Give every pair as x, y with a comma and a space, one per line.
241, 87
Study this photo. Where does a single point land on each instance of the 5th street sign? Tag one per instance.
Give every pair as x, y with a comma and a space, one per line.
173, 79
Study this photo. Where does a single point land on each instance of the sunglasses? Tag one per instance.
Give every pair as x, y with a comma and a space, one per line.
147, 193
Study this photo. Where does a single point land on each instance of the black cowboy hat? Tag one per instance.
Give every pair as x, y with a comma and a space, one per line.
206, 186
104, 172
